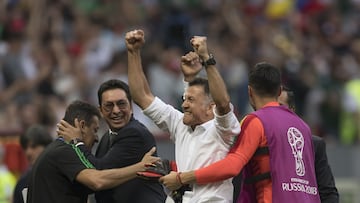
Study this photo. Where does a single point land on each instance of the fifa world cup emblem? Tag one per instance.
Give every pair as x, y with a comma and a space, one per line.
296, 141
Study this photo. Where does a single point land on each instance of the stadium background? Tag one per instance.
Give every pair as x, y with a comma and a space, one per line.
54, 51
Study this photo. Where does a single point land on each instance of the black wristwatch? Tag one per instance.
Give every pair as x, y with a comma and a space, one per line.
210, 61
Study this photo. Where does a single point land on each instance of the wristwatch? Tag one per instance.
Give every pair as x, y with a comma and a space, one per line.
210, 61
76, 141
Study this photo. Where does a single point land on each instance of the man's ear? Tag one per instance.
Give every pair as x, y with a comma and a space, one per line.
82, 125
211, 106
210, 109
250, 91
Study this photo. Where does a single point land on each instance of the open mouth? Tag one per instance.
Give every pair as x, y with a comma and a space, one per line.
187, 112
118, 120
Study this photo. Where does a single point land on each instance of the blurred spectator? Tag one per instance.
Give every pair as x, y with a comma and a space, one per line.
62, 49
350, 120
33, 142
166, 77
7, 179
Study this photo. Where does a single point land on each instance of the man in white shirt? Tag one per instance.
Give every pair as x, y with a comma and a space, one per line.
207, 127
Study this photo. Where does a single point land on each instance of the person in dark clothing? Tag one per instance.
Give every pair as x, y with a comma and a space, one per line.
125, 143
62, 173
33, 142
324, 177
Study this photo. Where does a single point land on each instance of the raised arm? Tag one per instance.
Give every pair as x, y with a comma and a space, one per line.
138, 84
217, 86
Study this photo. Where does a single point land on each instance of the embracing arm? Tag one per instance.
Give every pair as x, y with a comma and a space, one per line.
138, 84
239, 155
218, 171
226, 168
121, 154
104, 179
70, 132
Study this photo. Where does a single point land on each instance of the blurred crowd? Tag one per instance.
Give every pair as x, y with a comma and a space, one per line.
55, 51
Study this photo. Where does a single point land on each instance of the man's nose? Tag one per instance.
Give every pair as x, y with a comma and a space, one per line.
185, 104
116, 109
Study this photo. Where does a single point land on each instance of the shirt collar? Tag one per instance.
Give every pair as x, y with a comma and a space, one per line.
112, 132
202, 126
273, 103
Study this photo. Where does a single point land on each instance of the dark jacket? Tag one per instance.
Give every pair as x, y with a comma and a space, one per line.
128, 147
324, 177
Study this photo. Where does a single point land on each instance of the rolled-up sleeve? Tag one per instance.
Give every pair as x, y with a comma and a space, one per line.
227, 126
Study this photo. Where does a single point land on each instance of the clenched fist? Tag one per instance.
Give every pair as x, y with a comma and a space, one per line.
190, 66
134, 40
200, 47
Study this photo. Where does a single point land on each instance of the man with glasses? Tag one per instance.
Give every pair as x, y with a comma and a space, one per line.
125, 143
61, 173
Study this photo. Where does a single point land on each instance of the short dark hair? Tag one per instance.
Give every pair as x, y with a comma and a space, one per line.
36, 135
113, 84
265, 79
198, 81
290, 97
81, 110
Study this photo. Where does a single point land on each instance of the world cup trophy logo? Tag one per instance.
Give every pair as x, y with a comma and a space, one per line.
296, 141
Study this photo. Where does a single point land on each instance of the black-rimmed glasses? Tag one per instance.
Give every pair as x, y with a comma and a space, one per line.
109, 106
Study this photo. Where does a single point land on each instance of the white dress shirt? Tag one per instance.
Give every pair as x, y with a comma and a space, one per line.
194, 149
